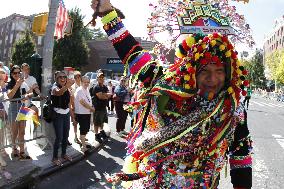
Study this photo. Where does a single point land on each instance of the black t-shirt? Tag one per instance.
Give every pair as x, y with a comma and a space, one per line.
98, 103
21, 90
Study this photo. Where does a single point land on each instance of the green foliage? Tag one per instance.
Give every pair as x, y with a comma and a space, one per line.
255, 68
23, 49
72, 51
95, 33
275, 63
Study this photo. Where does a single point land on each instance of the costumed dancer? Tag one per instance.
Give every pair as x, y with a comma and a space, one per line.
190, 120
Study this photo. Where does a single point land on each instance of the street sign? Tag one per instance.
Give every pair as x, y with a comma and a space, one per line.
114, 61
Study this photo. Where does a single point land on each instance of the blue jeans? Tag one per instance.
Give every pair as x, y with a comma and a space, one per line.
61, 124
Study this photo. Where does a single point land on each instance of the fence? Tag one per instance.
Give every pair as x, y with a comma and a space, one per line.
10, 112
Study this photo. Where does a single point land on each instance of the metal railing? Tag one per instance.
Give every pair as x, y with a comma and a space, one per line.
32, 131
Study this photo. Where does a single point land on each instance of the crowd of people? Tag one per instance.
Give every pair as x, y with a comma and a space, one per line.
74, 102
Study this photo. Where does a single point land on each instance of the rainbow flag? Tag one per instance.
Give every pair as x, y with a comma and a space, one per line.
26, 114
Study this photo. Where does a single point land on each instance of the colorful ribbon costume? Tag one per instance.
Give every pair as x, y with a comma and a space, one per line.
182, 139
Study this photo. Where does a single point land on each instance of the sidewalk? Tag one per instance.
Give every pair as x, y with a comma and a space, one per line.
25, 172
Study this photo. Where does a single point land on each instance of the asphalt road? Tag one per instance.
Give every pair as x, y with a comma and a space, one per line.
266, 124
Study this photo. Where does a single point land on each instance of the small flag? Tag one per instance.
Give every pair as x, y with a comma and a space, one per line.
61, 20
26, 114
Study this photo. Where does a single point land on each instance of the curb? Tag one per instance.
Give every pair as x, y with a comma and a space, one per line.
75, 159
29, 180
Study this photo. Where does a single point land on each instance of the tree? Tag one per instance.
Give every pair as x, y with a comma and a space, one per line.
72, 51
23, 49
275, 63
255, 68
95, 33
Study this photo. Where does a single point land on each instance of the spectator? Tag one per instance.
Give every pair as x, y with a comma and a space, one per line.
110, 103
7, 71
17, 88
247, 98
31, 82
77, 84
122, 97
83, 110
3, 111
60, 97
100, 96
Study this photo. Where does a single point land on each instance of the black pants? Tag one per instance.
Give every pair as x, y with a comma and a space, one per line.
246, 101
121, 116
61, 124
111, 104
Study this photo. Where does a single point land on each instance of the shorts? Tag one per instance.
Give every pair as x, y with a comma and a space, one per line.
84, 121
100, 117
14, 108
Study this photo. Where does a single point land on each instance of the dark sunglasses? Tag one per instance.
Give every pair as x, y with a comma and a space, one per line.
62, 77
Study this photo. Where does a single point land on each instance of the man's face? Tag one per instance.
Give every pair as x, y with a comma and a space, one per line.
211, 79
101, 80
77, 78
26, 70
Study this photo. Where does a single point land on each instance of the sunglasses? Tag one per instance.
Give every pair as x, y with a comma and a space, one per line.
62, 77
15, 73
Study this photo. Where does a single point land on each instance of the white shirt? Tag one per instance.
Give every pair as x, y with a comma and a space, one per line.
110, 89
74, 87
82, 94
59, 110
30, 81
27, 88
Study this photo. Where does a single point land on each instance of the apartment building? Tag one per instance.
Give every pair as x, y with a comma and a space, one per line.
12, 29
275, 39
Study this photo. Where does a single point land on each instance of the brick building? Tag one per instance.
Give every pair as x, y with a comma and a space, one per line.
12, 28
275, 39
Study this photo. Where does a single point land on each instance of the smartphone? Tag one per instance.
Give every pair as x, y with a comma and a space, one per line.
22, 75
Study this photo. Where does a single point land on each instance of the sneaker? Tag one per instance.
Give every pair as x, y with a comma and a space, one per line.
103, 135
98, 138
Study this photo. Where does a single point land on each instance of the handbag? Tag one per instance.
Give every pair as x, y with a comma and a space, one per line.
48, 111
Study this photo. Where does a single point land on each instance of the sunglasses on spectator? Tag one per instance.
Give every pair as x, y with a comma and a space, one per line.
62, 77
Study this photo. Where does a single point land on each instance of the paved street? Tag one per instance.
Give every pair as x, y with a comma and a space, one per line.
266, 125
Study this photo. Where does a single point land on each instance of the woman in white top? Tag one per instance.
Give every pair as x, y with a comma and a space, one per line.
83, 109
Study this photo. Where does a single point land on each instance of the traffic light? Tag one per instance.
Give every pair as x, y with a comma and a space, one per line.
40, 23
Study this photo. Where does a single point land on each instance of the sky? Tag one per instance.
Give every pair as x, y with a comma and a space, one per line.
260, 14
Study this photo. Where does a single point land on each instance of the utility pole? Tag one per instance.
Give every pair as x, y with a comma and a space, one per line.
47, 62
48, 47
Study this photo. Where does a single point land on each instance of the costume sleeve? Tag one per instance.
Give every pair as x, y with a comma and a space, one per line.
240, 154
138, 61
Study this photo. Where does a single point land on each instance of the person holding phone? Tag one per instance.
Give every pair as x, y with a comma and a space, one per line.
60, 97
16, 89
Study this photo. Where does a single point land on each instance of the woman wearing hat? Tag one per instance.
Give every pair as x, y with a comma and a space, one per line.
190, 124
